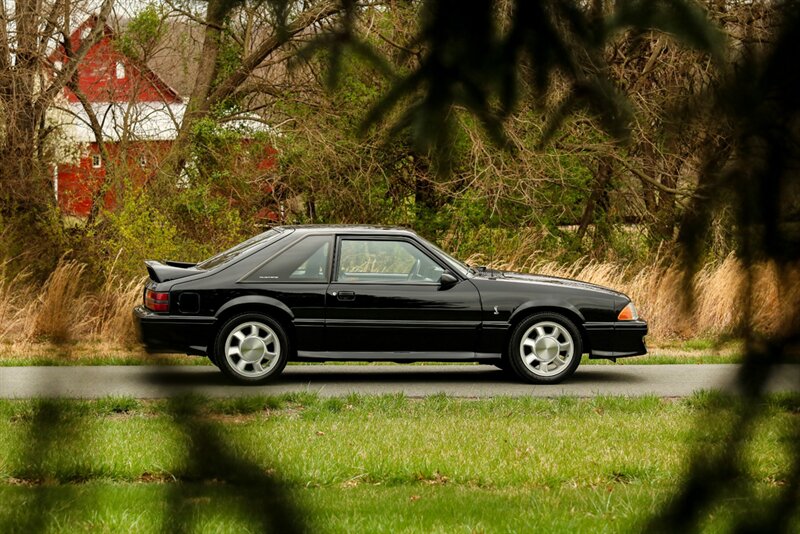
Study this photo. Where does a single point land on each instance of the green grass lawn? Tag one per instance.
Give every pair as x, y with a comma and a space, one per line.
370, 463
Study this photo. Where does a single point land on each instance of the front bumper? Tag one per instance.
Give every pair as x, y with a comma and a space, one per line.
619, 339
170, 333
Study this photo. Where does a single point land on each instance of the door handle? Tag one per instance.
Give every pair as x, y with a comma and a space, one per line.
346, 295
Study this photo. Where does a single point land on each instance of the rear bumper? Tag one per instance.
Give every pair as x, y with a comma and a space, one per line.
616, 340
169, 333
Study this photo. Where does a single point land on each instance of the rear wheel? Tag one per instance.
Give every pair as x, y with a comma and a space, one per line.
251, 348
213, 357
545, 348
503, 364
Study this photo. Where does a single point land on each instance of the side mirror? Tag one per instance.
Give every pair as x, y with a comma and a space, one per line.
447, 280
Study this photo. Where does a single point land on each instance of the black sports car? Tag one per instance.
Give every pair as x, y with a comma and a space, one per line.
316, 293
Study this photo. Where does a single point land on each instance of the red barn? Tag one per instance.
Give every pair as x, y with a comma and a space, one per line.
139, 115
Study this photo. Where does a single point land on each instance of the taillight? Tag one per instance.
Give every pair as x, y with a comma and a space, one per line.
158, 302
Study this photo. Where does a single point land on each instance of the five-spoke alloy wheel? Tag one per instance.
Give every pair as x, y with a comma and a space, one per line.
545, 348
251, 348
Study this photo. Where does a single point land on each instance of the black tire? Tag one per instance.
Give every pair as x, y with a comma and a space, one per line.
553, 350
503, 364
212, 357
259, 332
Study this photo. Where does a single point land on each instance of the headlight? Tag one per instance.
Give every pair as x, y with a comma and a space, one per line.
628, 313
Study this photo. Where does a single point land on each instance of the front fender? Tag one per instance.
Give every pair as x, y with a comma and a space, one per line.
545, 305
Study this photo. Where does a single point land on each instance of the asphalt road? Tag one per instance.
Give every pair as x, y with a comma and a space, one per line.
412, 380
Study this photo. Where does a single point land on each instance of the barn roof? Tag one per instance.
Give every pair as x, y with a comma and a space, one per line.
97, 78
151, 121
141, 121
125, 112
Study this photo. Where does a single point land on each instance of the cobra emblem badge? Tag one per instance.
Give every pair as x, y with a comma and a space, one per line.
495, 311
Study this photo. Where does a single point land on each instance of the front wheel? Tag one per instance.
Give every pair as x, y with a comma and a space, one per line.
251, 348
545, 348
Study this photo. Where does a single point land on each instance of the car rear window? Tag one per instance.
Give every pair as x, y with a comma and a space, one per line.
241, 249
305, 261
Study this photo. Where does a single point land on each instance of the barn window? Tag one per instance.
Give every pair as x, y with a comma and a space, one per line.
120, 70
96, 161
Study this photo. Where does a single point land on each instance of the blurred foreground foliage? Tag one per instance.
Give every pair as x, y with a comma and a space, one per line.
664, 130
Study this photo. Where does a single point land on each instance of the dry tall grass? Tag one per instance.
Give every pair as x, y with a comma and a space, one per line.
718, 308
16, 303
64, 309
61, 311
112, 321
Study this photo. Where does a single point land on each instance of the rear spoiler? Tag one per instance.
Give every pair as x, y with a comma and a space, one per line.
181, 264
170, 270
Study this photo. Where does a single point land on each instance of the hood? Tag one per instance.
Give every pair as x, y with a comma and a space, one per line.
505, 276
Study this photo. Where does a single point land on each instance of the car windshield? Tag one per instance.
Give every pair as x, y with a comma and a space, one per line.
242, 248
462, 268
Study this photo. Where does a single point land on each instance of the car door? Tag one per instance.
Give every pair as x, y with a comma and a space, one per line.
385, 296
297, 276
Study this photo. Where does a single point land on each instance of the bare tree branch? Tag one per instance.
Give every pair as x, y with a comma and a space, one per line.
645, 178
62, 78
194, 18
268, 46
417, 53
5, 46
51, 23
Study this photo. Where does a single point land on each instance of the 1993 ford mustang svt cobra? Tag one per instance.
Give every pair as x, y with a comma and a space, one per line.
321, 293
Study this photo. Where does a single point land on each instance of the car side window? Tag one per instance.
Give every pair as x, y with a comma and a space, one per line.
363, 260
305, 261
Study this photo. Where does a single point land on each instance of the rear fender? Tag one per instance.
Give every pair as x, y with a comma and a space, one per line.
252, 303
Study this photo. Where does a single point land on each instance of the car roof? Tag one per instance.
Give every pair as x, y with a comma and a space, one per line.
349, 229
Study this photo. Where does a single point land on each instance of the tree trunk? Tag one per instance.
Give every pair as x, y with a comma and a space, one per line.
598, 199
22, 187
209, 91
664, 225
26, 192
199, 104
